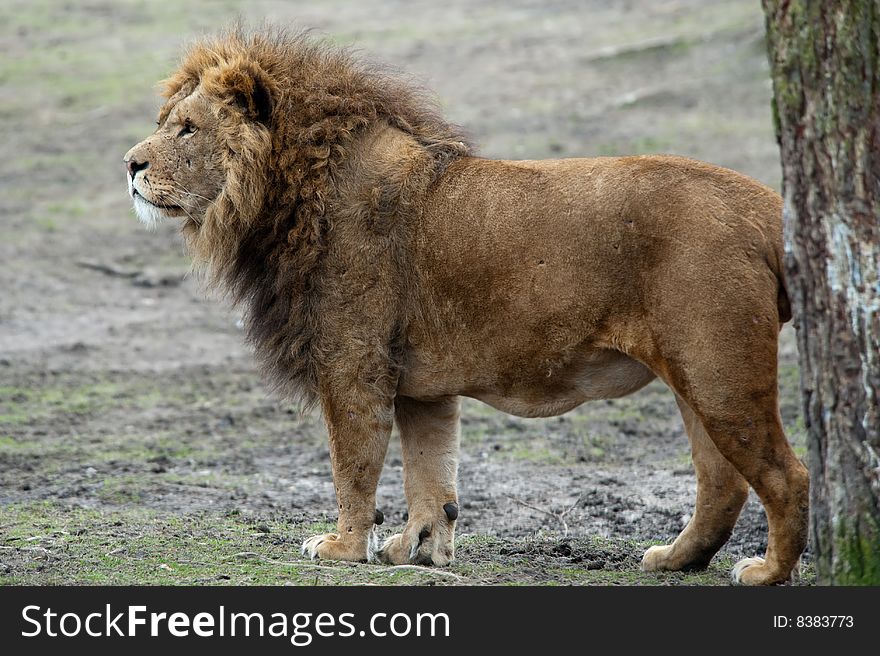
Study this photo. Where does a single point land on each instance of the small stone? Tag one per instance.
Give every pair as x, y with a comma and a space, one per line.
451, 510
154, 278
379, 518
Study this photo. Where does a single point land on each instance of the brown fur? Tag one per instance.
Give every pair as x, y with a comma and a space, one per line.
385, 272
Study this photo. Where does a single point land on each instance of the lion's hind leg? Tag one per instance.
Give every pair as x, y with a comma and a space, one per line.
731, 387
721, 493
429, 441
713, 338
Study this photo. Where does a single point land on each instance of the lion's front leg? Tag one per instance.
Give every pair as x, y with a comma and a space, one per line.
429, 441
359, 427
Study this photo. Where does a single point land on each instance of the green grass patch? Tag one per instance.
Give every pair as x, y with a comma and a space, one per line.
20, 405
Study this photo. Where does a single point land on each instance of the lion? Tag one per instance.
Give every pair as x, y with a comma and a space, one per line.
385, 270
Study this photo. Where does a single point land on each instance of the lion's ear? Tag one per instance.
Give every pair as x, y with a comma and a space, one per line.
245, 86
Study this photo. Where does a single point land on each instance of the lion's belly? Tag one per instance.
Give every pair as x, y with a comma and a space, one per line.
542, 392
611, 378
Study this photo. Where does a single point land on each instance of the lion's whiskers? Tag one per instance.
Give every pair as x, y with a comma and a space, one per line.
192, 193
178, 201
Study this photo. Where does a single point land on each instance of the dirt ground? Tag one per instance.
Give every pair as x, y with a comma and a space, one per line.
137, 444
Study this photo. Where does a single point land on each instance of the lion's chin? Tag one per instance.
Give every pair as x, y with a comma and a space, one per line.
152, 215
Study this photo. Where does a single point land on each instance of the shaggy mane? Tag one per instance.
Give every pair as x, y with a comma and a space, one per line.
262, 240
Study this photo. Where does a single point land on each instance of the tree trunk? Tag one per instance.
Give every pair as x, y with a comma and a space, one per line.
825, 61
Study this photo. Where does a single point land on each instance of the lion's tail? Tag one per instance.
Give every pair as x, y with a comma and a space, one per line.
783, 303
775, 254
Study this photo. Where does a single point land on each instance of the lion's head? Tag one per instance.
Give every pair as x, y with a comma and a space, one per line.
177, 171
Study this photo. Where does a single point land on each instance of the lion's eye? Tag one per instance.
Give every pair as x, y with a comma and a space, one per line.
186, 129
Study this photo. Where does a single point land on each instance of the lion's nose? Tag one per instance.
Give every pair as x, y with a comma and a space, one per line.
134, 166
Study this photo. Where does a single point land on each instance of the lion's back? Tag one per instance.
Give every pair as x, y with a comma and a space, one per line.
586, 237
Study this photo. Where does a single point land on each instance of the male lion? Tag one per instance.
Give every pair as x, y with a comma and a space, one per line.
386, 271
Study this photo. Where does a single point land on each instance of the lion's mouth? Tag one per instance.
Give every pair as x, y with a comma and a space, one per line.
168, 208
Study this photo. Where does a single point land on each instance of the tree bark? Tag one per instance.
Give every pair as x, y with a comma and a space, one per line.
825, 63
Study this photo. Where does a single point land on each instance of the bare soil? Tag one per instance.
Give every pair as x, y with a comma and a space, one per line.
130, 409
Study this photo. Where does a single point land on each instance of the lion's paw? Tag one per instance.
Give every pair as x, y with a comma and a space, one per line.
755, 571
749, 571
329, 546
428, 545
675, 558
656, 558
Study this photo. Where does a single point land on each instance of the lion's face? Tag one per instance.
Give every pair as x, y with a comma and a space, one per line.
177, 172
